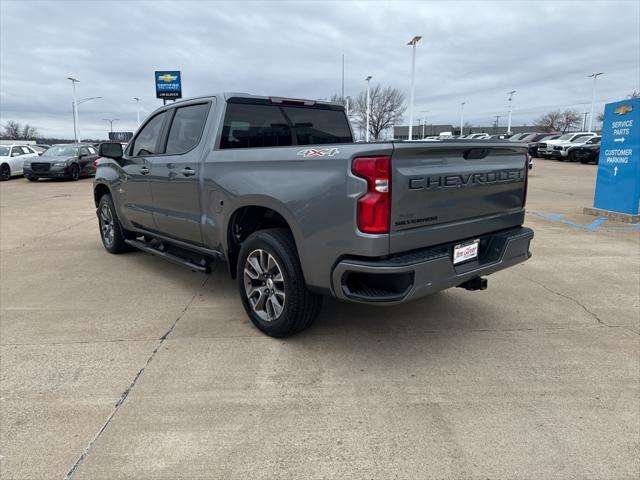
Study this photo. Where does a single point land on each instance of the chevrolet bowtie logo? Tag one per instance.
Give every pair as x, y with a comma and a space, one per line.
622, 109
167, 77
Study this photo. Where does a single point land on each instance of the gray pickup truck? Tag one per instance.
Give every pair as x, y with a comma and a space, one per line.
278, 189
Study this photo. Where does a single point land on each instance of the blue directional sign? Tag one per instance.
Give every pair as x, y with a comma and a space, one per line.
618, 183
168, 84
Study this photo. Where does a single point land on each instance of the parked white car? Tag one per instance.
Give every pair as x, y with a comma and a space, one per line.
559, 148
12, 159
477, 136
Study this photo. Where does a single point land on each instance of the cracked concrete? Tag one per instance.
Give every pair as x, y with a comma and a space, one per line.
130, 367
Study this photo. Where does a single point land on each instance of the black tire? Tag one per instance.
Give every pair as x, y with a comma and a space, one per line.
111, 232
32, 179
74, 173
5, 172
572, 157
300, 306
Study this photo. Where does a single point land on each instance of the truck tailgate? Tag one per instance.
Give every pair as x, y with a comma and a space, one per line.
454, 190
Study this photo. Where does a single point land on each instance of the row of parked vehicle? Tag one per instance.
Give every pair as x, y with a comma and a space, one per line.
71, 161
581, 147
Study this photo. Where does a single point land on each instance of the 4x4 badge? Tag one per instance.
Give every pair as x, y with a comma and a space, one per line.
319, 152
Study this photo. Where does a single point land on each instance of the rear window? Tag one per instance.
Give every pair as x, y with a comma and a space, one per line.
254, 126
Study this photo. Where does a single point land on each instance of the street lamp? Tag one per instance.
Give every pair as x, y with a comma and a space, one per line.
593, 96
424, 124
75, 108
111, 120
462, 104
77, 111
138, 106
368, 80
510, 106
412, 42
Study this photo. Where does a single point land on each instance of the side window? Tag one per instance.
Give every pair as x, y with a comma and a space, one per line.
251, 126
92, 150
146, 141
26, 150
186, 128
84, 151
16, 151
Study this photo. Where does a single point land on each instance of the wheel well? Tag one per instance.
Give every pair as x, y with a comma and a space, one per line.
99, 191
243, 223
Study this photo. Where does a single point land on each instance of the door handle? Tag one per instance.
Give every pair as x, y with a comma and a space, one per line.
144, 170
187, 172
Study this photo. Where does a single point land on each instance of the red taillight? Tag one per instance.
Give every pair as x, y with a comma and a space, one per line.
526, 179
374, 207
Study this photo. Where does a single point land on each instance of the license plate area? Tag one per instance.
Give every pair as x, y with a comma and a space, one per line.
466, 251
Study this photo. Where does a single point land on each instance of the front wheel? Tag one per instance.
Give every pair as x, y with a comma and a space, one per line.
272, 286
572, 157
74, 173
111, 232
5, 172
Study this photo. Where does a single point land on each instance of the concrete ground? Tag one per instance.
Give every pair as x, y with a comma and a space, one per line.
130, 367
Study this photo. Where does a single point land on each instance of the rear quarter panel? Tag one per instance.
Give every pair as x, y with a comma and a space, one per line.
315, 195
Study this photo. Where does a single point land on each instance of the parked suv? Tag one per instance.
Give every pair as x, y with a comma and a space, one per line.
278, 189
558, 148
70, 161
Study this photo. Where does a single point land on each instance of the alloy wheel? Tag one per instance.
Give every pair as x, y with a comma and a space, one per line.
106, 225
264, 285
5, 172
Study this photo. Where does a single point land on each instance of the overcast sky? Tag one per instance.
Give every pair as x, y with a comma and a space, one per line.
470, 51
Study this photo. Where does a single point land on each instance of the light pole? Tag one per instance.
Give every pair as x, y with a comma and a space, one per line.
424, 124
111, 120
462, 117
75, 109
510, 106
368, 79
77, 118
138, 107
412, 42
593, 96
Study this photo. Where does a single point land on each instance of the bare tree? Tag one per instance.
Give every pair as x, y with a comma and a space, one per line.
15, 131
387, 107
549, 122
11, 130
29, 132
557, 121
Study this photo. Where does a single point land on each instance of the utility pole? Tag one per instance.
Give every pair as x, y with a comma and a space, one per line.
342, 94
510, 107
138, 108
593, 96
413, 43
462, 117
76, 122
497, 124
368, 79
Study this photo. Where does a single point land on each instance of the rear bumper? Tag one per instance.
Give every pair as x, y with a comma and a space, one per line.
415, 274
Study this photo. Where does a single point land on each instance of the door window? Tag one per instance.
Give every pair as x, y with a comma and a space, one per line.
186, 128
92, 150
16, 152
147, 140
26, 150
84, 151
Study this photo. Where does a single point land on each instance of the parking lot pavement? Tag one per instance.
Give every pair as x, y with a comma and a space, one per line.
130, 367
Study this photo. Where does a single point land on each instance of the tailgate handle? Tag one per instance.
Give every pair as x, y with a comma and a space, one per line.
476, 153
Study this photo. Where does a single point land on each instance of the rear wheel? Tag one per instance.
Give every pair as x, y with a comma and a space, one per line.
111, 232
271, 283
74, 173
5, 172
